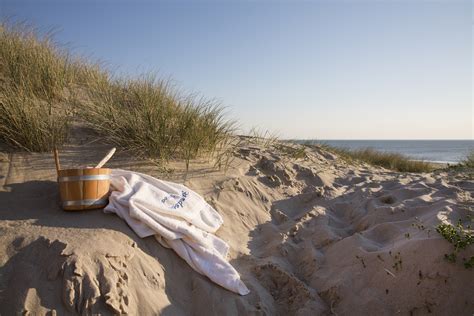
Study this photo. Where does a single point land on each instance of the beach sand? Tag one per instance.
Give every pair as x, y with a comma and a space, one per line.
312, 235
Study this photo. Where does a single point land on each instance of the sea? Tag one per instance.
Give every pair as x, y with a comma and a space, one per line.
441, 151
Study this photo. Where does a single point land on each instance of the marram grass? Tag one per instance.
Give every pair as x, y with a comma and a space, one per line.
147, 116
37, 79
469, 160
29, 123
392, 161
42, 87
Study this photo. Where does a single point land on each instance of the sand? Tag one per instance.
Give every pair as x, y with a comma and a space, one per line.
312, 235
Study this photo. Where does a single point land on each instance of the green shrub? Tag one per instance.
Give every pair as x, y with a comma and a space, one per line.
460, 237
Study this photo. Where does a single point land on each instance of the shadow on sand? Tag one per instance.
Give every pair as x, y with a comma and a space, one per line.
38, 201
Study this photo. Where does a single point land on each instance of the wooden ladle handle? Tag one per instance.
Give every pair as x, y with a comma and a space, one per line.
106, 158
56, 160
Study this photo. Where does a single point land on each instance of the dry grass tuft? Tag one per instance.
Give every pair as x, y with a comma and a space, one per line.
43, 86
148, 117
36, 82
262, 138
469, 160
393, 161
29, 123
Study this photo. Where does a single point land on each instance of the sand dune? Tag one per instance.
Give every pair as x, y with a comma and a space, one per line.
309, 236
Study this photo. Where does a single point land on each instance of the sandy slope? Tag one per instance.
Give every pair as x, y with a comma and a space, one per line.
309, 236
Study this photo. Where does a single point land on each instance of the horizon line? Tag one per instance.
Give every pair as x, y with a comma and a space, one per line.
386, 139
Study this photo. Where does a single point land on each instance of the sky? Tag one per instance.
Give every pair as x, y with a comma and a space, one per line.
300, 69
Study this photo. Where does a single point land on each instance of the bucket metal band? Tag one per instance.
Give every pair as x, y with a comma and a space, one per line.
90, 202
85, 178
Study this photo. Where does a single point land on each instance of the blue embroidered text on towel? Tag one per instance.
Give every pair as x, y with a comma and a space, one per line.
178, 218
175, 201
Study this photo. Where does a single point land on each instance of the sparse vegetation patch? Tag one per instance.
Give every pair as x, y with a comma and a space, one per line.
460, 237
393, 161
469, 160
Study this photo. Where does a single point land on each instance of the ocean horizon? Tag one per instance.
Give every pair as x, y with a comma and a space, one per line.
440, 151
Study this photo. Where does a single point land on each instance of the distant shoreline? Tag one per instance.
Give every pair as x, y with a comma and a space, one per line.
444, 152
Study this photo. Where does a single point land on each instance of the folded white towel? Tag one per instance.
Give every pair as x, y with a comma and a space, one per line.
179, 218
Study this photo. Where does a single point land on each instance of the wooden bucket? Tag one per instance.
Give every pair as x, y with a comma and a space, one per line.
84, 189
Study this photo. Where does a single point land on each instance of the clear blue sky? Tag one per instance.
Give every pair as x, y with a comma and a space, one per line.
314, 69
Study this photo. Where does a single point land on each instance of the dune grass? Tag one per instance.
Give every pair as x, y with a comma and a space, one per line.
469, 160
261, 137
150, 118
392, 161
29, 123
43, 87
36, 82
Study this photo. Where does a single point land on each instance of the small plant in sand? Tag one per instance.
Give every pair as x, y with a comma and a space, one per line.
361, 261
465, 166
460, 237
397, 261
418, 224
469, 160
225, 153
292, 151
469, 263
262, 138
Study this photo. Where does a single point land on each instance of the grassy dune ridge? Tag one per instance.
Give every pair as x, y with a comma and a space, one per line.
43, 87
148, 116
393, 161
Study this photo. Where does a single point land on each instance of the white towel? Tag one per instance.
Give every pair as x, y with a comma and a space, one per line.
179, 219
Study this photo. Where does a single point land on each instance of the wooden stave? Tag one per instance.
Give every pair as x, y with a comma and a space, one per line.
82, 190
